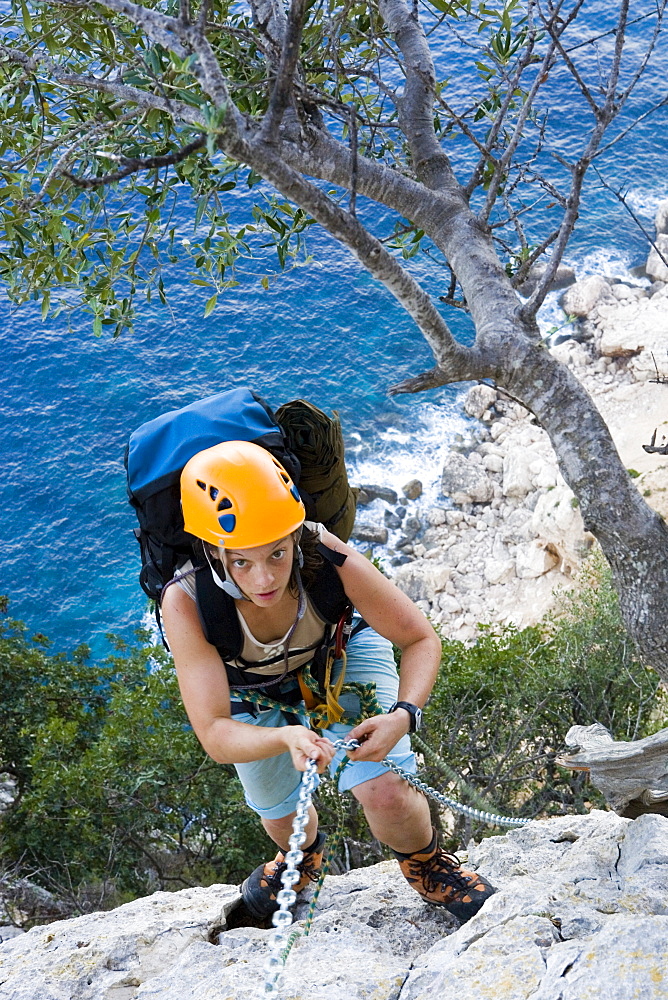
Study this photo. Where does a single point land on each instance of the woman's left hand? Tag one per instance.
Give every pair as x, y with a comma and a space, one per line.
378, 735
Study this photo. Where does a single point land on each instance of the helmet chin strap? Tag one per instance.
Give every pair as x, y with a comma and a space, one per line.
229, 586
297, 535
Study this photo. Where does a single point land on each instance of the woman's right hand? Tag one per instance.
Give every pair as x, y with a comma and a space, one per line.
304, 745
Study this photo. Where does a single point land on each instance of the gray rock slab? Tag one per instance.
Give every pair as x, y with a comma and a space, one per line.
109, 955
581, 914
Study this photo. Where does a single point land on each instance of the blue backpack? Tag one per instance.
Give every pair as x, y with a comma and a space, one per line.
155, 457
309, 445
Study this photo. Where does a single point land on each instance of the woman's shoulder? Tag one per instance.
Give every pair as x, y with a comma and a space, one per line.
184, 578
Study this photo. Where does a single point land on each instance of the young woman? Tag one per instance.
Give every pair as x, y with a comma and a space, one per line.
271, 567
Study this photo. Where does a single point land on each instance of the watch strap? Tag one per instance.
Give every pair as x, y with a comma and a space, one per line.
414, 712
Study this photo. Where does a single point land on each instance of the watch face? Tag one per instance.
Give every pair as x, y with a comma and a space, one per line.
417, 719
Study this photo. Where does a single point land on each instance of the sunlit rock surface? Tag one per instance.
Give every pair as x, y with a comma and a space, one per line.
581, 913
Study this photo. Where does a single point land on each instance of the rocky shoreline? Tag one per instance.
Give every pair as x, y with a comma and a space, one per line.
509, 533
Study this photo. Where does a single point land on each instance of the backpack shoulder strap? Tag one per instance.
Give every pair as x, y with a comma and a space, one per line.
327, 593
218, 615
220, 622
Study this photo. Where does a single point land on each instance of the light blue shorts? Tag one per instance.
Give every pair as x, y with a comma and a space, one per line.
272, 785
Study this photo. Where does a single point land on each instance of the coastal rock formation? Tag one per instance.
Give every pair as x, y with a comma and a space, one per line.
581, 912
509, 533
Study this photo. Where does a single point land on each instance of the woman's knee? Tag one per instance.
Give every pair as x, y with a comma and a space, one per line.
386, 794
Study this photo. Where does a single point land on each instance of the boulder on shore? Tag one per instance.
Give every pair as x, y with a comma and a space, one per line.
656, 268
464, 481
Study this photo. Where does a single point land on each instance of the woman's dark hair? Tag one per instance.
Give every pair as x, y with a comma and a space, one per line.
312, 559
308, 543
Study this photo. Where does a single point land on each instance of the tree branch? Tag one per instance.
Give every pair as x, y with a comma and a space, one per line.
620, 197
282, 90
166, 31
133, 166
366, 248
604, 115
122, 92
518, 131
415, 106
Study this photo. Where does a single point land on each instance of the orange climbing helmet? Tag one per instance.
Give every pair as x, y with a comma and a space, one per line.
237, 495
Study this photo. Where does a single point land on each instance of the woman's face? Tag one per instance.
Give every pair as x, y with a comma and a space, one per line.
262, 573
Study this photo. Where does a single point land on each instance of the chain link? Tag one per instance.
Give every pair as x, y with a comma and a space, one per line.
286, 897
280, 944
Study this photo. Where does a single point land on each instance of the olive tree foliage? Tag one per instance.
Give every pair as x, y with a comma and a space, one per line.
110, 108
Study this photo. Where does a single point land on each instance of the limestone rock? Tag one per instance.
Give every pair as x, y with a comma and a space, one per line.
517, 480
370, 492
436, 516
413, 489
624, 292
464, 481
580, 298
391, 520
619, 340
499, 570
493, 463
374, 533
581, 912
565, 276
557, 523
661, 217
449, 604
656, 267
104, 955
532, 560
421, 581
479, 399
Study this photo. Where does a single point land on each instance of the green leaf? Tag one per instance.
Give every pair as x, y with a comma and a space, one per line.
211, 305
27, 20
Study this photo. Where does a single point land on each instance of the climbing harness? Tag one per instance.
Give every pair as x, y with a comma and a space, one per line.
281, 944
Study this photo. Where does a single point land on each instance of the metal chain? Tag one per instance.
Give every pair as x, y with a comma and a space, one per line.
280, 944
484, 817
286, 897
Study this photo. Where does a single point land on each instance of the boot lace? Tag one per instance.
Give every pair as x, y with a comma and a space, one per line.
306, 868
441, 871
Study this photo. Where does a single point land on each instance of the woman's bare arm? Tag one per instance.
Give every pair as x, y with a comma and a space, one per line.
206, 696
394, 616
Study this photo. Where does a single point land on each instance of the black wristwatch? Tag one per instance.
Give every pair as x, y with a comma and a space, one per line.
414, 712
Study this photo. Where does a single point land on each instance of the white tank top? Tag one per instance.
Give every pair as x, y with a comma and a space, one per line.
268, 658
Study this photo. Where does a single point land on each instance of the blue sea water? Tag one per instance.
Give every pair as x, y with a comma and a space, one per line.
327, 332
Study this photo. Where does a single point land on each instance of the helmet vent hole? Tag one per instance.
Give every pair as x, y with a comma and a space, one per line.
224, 504
213, 492
294, 492
201, 485
227, 522
285, 478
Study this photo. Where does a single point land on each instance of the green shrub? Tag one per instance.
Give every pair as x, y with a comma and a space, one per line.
114, 795
501, 708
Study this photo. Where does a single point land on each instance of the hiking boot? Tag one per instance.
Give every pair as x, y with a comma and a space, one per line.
440, 880
260, 889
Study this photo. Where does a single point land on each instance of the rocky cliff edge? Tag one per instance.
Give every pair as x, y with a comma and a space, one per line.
581, 913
